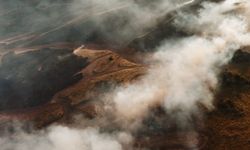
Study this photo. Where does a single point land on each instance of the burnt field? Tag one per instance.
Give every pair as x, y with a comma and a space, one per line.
124, 75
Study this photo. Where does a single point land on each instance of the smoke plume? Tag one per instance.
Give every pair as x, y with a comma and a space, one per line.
183, 73
186, 72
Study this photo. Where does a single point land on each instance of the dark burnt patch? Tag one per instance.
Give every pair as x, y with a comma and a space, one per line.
32, 78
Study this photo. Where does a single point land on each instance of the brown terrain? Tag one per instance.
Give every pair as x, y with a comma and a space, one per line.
45, 79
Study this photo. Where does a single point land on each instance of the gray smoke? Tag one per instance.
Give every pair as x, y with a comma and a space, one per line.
183, 75
113, 21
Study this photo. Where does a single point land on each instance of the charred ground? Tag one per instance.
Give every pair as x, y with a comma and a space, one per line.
42, 81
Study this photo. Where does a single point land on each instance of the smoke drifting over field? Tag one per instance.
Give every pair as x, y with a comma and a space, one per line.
188, 68
183, 74
115, 21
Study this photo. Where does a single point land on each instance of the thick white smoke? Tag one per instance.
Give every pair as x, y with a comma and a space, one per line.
64, 138
183, 75
187, 71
